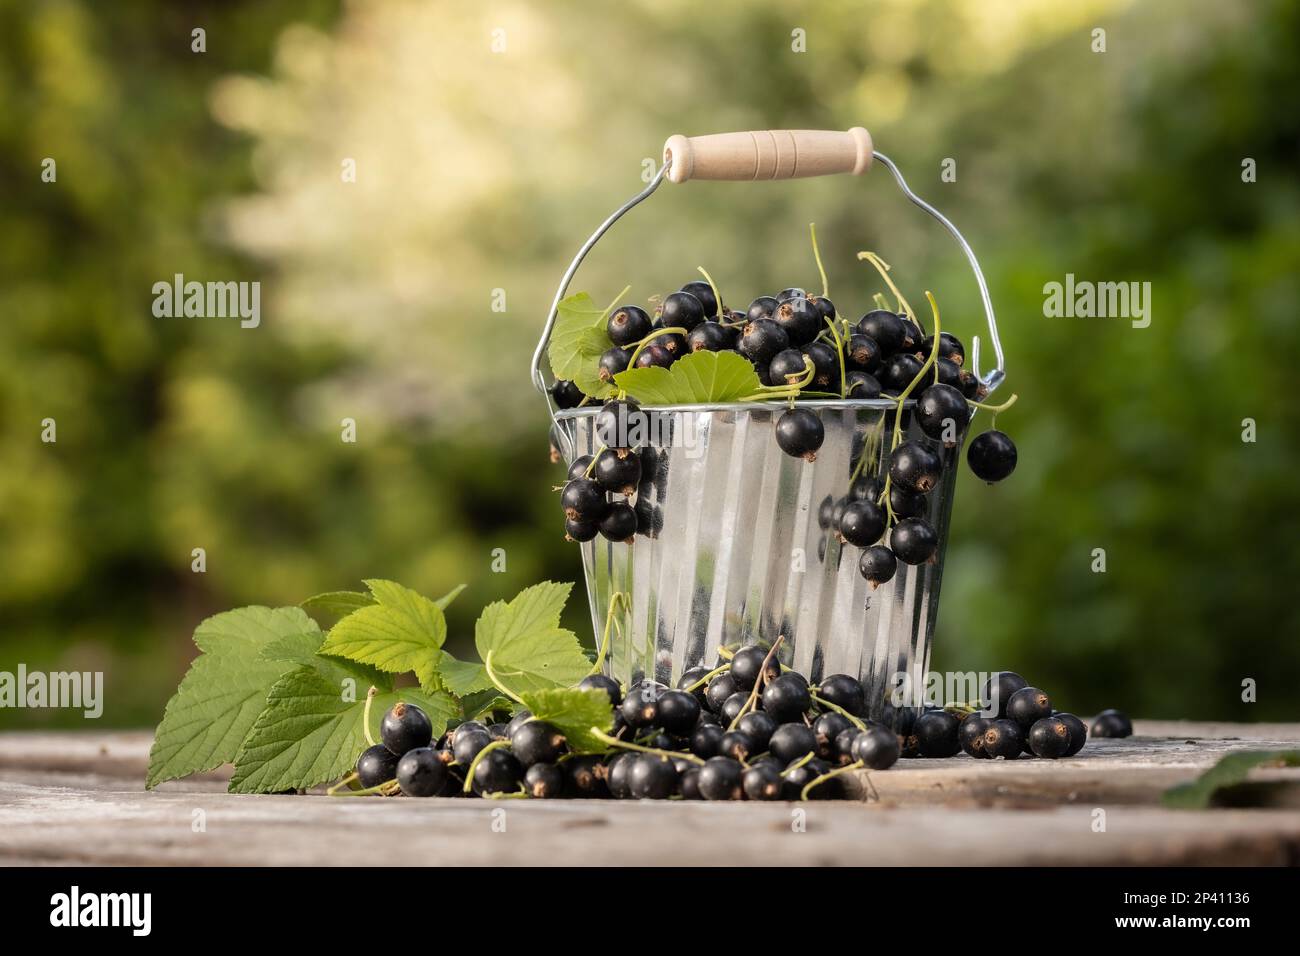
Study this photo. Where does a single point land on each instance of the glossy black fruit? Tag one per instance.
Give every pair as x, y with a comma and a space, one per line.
861, 353
826, 729
824, 305
738, 745
719, 689
945, 373
862, 523
682, 310
787, 367
760, 340
750, 663
617, 421
1029, 705
580, 530
936, 734
467, 741
886, 328
1111, 723
867, 489
720, 779
620, 523
791, 741
655, 356
799, 433
710, 337
612, 361
877, 564
579, 467
1003, 738
913, 540
908, 504
601, 682
826, 366
421, 773
641, 705
376, 765
942, 413
1078, 732
786, 698
498, 772
628, 325
405, 727
762, 308
762, 782
861, 385
704, 292
914, 467
691, 677
618, 471
677, 713
998, 690
618, 775
544, 781
535, 741
760, 726
845, 692
732, 707
794, 292
652, 777
585, 777
800, 319
970, 734
898, 372
950, 348
706, 739
877, 747
567, 394
583, 500
1050, 738
991, 456
796, 779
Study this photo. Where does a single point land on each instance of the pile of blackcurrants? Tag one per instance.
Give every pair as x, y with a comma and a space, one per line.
801, 349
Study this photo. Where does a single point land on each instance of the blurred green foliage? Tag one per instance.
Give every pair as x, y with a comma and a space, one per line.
480, 171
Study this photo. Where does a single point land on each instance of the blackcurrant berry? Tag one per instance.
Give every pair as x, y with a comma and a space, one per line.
655, 356
824, 305
786, 698
791, 741
1111, 723
720, 688
720, 779
826, 366
913, 540
877, 747
616, 422
688, 784
885, 328
760, 340
862, 523
800, 319
1078, 732
794, 292
862, 354
652, 777
710, 337
704, 292
970, 734
760, 726
641, 705
948, 374
936, 734
421, 773
737, 744
618, 471
795, 780
877, 564
1029, 705
912, 336
998, 690
585, 777
405, 727
612, 361
677, 713
580, 530
908, 504
467, 741
867, 489
732, 706
750, 664
619, 775
691, 677
601, 682
845, 692
970, 386
898, 372
950, 347
861, 385
544, 781
536, 741
1003, 738
800, 433
762, 782
824, 512
826, 728
843, 748
628, 325
1049, 738
787, 367
621, 522
567, 394
914, 467
706, 739
583, 500
681, 310
762, 308
991, 456
579, 467
376, 765
708, 717
498, 731
942, 413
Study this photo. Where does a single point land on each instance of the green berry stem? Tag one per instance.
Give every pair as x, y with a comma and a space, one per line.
818, 781
932, 359
826, 288
473, 765
706, 678
386, 788
350, 778
717, 297
591, 465
657, 333
798, 763
496, 682
365, 715
883, 268
837, 708
614, 600
610, 308
839, 350
758, 683
628, 745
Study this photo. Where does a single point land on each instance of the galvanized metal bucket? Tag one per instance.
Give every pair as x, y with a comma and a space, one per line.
732, 547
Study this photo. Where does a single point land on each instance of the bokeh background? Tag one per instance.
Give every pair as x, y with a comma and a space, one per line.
480, 170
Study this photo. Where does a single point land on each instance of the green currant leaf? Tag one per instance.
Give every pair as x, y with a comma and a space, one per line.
480, 704
225, 688
338, 603
1200, 794
573, 712
697, 378
463, 677
403, 631
577, 341
529, 650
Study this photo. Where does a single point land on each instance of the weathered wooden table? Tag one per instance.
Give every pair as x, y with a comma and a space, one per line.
79, 799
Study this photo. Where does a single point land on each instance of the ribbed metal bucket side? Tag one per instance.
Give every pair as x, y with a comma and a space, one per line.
731, 551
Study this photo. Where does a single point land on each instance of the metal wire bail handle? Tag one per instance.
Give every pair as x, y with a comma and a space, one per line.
774, 154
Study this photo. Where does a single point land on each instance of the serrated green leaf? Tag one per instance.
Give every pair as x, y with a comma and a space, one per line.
1230, 771
310, 732
224, 690
295, 649
444, 601
404, 631
338, 603
530, 651
481, 703
577, 340
698, 378
573, 712
463, 677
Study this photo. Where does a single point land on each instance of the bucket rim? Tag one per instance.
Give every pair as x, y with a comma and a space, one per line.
828, 404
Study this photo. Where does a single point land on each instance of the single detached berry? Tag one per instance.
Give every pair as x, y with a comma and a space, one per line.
998, 690
877, 564
877, 747
942, 413
1029, 705
1112, 723
620, 523
704, 292
1003, 738
583, 500
800, 319
762, 782
914, 540
800, 433
791, 741
991, 456
914, 467
861, 385
760, 340
762, 308
787, 368
720, 779
786, 698
760, 726
750, 664
628, 325
677, 712
602, 683
970, 734
936, 734
567, 394
682, 310
405, 727
720, 688
612, 361
862, 523
885, 328
536, 741
421, 773
376, 765
1050, 738
1078, 732
652, 778
710, 337
845, 692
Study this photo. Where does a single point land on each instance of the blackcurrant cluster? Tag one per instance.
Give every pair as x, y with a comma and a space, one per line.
1013, 720
598, 496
